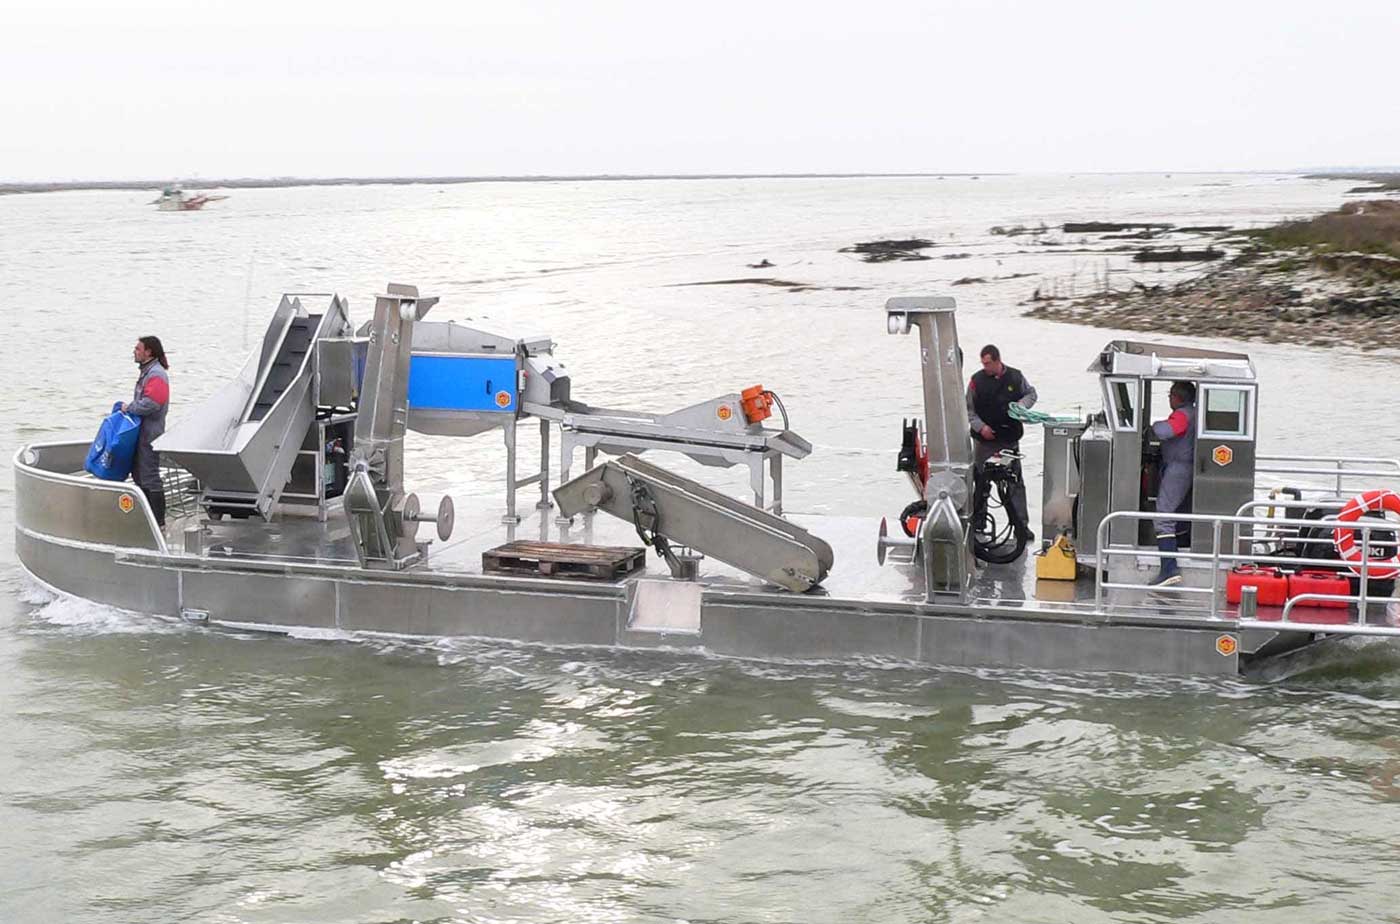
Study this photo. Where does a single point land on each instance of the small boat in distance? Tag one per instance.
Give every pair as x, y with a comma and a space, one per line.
174, 199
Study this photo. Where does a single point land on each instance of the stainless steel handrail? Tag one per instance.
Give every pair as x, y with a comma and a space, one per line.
1237, 539
1287, 502
1374, 472
1340, 460
1339, 466
1362, 568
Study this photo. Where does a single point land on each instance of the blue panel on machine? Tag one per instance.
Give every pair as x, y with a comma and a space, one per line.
462, 383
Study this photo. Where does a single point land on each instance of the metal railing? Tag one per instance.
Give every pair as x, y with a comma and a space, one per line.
1232, 555
1335, 467
181, 491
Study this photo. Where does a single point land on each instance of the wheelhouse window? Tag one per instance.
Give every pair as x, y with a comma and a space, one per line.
1122, 399
1225, 412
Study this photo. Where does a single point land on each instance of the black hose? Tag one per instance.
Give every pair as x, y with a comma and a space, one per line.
993, 545
916, 508
781, 410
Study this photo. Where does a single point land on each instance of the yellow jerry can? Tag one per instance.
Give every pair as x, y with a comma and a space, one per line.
1056, 562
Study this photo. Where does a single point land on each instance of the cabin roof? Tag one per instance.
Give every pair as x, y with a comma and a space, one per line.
1146, 359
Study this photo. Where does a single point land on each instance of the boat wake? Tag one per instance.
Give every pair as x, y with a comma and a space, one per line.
57, 611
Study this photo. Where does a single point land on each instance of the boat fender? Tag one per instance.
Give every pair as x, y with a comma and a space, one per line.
1349, 547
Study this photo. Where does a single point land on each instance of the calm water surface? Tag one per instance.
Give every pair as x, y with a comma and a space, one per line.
154, 771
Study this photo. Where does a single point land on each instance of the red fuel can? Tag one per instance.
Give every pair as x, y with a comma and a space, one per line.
1320, 582
1271, 582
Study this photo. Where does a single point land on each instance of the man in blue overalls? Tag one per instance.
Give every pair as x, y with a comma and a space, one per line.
1178, 435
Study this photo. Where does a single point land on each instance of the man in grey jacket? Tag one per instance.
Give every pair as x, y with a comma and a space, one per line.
1177, 433
150, 401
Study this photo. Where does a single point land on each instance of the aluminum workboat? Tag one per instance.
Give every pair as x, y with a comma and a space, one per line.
289, 511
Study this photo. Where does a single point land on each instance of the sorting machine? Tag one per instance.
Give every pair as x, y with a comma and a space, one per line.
320, 412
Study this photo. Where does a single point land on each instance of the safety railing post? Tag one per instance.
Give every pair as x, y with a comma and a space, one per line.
1215, 569
1365, 573
1249, 602
1100, 565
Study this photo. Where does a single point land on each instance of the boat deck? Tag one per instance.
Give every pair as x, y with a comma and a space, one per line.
94, 539
856, 576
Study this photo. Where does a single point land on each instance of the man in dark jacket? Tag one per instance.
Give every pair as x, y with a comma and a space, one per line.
150, 401
990, 395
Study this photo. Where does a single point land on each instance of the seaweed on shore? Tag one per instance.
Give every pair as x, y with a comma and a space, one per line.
1328, 281
891, 250
1100, 227
1367, 226
1178, 255
775, 283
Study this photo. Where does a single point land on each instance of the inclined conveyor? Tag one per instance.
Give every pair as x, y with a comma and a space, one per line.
241, 443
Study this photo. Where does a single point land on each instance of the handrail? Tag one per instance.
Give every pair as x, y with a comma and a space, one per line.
1339, 466
1361, 568
1368, 460
1356, 472
1271, 502
1345, 628
1286, 502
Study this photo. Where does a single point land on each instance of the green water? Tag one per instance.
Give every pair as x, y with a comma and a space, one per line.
153, 771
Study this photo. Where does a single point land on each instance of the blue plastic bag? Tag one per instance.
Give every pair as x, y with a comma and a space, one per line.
114, 449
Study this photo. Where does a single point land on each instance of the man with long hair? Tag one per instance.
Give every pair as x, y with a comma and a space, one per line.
150, 402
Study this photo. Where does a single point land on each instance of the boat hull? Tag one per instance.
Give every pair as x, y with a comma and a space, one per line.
78, 536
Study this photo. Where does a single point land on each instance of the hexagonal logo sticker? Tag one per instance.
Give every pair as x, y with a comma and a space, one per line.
1222, 455
126, 503
1226, 645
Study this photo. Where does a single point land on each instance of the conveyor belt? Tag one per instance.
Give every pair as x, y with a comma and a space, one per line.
688, 513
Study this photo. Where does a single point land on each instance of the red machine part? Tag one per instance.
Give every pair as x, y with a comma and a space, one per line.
757, 404
1271, 583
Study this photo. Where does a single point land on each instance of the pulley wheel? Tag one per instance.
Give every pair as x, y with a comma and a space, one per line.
408, 516
446, 517
597, 494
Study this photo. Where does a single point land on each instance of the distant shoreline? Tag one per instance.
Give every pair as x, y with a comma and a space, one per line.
290, 181
1389, 178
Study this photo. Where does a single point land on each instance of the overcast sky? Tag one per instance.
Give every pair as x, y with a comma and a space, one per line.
117, 90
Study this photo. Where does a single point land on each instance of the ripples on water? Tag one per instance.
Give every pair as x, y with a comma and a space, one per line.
162, 771
158, 771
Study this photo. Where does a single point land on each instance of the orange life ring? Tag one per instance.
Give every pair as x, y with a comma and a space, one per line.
1344, 538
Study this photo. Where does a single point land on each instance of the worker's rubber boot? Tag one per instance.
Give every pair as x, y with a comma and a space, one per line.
1020, 511
1169, 575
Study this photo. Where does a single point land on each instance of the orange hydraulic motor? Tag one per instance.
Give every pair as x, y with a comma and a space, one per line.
758, 404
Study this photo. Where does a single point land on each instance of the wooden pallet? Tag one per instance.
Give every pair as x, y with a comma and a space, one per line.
562, 560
